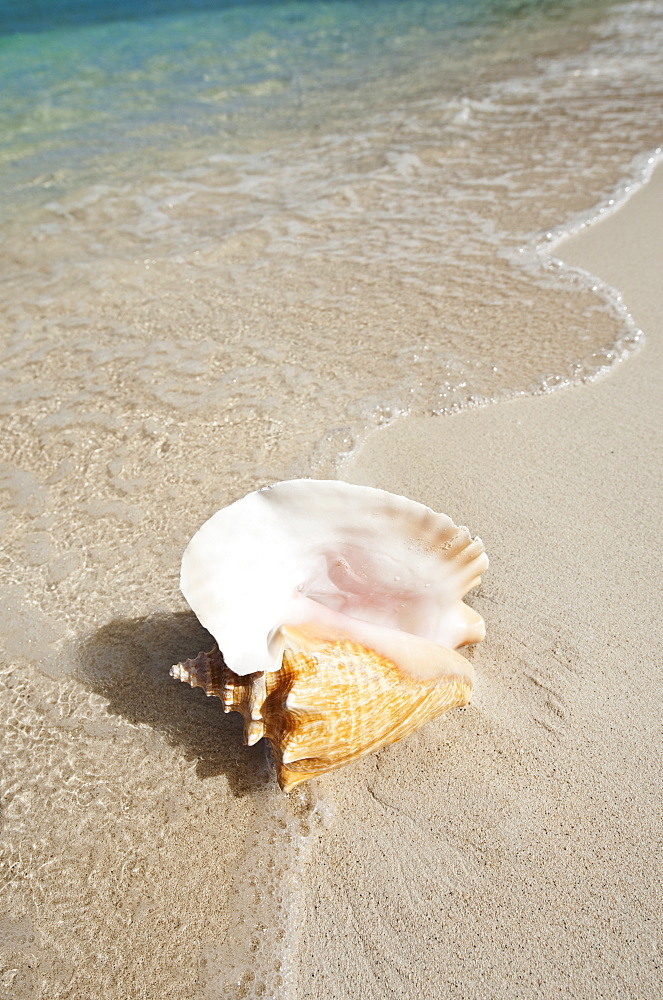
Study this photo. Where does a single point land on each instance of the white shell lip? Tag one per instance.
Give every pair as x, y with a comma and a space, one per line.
355, 552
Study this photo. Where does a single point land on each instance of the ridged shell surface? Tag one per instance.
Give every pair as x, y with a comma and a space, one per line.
331, 702
338, 609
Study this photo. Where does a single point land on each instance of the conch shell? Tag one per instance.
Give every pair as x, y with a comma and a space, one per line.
338, 609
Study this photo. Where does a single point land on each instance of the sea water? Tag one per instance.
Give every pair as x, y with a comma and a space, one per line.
235, 238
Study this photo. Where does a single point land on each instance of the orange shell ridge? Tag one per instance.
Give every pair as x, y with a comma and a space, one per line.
331, 702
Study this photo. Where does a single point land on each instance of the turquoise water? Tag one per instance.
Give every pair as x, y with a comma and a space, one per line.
81, 81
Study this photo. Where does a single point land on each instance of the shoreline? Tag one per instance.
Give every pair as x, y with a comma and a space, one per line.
548, 784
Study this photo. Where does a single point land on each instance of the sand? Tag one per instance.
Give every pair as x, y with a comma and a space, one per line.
506, 850
512, 848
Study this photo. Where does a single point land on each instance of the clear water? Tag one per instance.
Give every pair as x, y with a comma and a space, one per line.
207, 78
234, 238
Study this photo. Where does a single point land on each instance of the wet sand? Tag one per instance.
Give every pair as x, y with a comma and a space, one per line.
511, 849
506, 850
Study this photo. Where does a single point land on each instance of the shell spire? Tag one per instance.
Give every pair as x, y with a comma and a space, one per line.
350, 602
245, 695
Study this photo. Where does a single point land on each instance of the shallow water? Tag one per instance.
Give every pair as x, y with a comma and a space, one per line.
234, 240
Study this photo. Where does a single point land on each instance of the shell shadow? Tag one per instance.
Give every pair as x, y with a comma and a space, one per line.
127, 662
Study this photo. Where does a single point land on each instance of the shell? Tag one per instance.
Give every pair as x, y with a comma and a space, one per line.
338, 609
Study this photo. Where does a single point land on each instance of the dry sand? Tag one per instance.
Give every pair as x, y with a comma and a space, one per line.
512, 848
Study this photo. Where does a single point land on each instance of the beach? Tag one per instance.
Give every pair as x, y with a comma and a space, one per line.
509, 849
538, 839
408, 245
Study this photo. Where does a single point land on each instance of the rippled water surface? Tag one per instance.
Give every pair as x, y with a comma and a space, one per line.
235, 237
